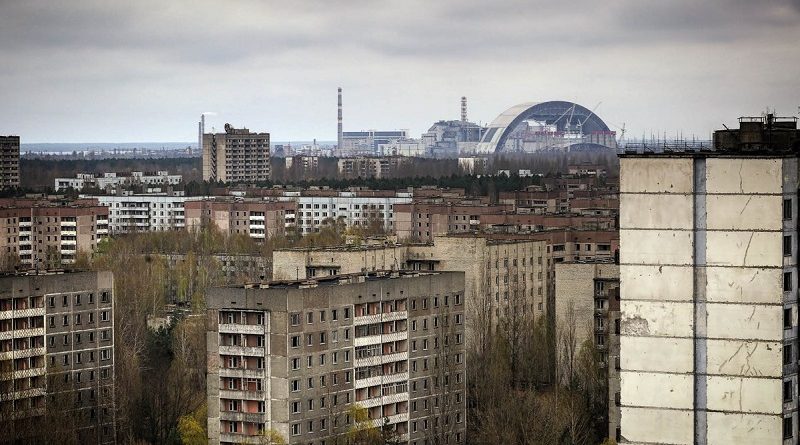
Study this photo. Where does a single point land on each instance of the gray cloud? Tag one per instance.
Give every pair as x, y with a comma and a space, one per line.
98, 70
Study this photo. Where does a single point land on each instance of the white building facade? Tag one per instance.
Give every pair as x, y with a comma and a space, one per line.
352, 209
144, 213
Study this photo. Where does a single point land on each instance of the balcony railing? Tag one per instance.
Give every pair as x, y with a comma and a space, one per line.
379, 318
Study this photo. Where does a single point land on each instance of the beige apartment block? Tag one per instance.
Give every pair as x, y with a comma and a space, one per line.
500, 275
236, 156
587, 305
709, 291
296, 356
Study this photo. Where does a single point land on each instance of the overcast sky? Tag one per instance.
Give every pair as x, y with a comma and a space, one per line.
113, 71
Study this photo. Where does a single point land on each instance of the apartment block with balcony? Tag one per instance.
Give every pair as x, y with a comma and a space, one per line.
57, 357
587, 305
154, 212
296, 356
9, 161
236, 156
255, 218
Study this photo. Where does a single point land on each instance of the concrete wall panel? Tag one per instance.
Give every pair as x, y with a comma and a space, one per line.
745, 321
673, 175
647, 425
666, 211
748, 358
744, 394
657, 354
656, 246
743, 175
743, 429
744, 212
741, 285
661, 390
657, 282
751, 249
640, 318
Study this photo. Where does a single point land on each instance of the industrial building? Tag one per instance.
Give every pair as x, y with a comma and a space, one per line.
236, 156
709, 286
295, 356
9, 161
546, 126
57, 357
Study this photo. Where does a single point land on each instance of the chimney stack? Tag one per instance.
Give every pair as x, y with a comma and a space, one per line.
339, 134
463, 108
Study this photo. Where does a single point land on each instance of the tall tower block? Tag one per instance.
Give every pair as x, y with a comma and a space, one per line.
339, 133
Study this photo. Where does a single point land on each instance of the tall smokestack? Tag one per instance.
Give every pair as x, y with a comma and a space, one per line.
463, 108
339, 134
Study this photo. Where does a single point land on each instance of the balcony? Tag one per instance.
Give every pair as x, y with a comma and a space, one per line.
379, 318
22, 313
25, 373
380, 338
238, 416
242, 350
69, 242
22, 353
395, 418
384, 400
69, 224
257, 218
242, 373
381, 359
21, 333
381, 380
241, 395
233, 328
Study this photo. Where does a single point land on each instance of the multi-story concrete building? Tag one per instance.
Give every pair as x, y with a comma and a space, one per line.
9, 161
587, 312
57, 357
353, 208
112, 181
154, 212
708, 251
258, 219
295, 356
372, 167
367, 142
236, 156
44, 234
500, 275
422, 220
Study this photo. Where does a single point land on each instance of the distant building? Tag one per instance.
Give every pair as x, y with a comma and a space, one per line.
236, 156
452, 138
587, 310
474, 165
372, 167
156, 212
111, 181
43, 234
295, 356
709, 279
57, 357
367, 142
9, 161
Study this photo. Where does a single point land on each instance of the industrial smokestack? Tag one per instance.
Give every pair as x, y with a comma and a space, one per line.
339, 134
463, 108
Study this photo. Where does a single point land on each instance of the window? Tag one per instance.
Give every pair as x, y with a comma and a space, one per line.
346, 313
322, 359
295, 363
310, 317
788, 428
787, 245
787, 281
322, 338
296, 341
295, 318
787, 354
295, 385
295, 429
321, 316
787, 318
309, 340
104, 316
787, 209
787, 391
334, 314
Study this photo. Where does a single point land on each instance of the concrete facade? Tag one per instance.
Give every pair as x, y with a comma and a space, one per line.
236, 156
295, 356
708, 248
587, 303
9, 161
257, 219
57, 341
111, 181
128, 213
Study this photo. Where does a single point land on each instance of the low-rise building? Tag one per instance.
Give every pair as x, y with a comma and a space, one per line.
295, 356
112, 181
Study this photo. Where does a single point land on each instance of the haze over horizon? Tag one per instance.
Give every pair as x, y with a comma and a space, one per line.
94, 71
